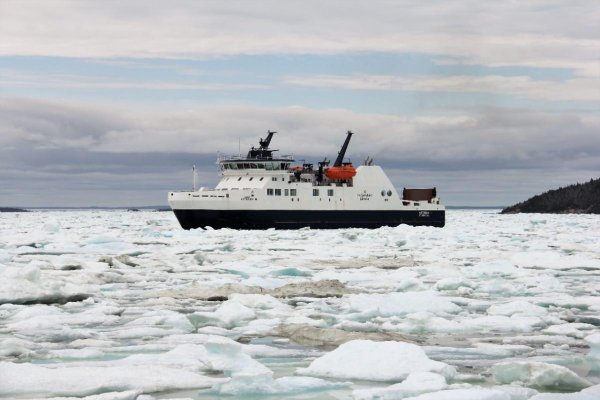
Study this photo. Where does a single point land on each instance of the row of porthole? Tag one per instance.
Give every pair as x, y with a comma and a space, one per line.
383, 192
240, 178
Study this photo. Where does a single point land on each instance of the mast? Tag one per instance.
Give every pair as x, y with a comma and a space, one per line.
342, 153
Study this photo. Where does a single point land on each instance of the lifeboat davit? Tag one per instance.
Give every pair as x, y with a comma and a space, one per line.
341, 172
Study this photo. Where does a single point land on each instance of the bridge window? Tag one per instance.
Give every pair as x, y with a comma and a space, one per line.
269, 192
286, 192
329, 192
273, 178
292, 192
315, 192
253, 166
277, 192
261, 166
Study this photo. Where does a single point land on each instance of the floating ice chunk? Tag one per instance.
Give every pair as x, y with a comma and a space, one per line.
84, 353
415, 384
142, 333
594, 354
393, 304
538, 375
536, 258
189, 356
591, 393
126, 395
452, 284
481, 351
573, 330
264, 384
13, 347
34, 380
52, 226
426, 322
232, 313
594, 342
520, 307
24, 286
290, 271
492, 268
102, 240
226, 355
517, 392
464, 394
163, 319
259, 301
375, 361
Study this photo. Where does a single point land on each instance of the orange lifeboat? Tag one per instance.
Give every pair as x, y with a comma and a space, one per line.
341, 172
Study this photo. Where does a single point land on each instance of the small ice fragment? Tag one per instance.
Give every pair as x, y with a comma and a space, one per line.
492, 268
452, 283
464, 394
394, 304
232, 313
250, 384
594, 354
538, 375
126, 395
415, 384
591, 393
520, 307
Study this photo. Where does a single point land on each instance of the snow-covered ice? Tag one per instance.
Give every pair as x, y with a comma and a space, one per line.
375, 361
122, 305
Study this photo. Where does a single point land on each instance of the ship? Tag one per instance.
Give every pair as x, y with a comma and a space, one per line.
263, 190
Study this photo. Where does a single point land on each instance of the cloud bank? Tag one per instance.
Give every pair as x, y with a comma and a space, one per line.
107, 148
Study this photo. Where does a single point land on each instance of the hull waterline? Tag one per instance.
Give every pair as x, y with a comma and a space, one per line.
284, 219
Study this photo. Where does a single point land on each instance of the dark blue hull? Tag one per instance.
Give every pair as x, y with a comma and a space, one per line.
295, 219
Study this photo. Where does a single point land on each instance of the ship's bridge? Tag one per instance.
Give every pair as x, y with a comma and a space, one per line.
237, 163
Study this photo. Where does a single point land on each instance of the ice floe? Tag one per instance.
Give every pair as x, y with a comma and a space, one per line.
153, 311
375, 361
415, 384
538, 375
44, 381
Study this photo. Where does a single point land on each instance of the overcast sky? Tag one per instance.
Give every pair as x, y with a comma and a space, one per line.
109, 103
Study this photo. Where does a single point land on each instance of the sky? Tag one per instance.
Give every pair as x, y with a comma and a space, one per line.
110, 103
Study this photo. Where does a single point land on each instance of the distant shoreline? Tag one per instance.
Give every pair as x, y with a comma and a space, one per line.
13, 209
580, 198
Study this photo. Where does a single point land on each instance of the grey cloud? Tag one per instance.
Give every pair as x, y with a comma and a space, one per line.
151, 152
534, 33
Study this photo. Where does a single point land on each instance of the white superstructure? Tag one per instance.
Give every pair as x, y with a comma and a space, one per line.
263, 190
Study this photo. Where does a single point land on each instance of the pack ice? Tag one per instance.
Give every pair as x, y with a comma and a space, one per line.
120, 305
